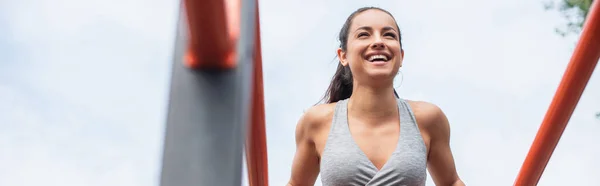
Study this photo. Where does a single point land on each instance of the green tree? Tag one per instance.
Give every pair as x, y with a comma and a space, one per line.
574, 11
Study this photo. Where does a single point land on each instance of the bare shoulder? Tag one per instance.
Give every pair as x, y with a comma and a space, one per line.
428, 115
315, 118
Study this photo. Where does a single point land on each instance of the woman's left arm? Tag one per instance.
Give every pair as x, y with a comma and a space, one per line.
440, 160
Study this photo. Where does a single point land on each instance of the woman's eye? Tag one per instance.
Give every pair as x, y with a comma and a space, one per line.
391, 35
363, 34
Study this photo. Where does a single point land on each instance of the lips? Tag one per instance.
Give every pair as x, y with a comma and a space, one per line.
378, 57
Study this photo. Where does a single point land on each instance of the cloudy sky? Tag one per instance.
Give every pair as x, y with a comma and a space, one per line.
84, 85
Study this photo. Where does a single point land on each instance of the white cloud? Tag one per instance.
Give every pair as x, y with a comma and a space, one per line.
59, 146
88, 101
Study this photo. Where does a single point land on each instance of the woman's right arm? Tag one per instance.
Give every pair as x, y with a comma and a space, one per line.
305, 167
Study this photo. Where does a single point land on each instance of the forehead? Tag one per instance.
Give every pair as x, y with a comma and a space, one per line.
373, 18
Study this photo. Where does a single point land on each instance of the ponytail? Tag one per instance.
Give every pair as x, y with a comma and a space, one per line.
341, 85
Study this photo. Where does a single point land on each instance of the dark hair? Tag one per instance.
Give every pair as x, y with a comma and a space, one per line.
341, 83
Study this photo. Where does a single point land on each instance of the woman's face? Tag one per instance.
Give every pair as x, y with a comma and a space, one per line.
373, 49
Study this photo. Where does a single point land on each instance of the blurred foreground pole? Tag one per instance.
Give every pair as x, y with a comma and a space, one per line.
209, 100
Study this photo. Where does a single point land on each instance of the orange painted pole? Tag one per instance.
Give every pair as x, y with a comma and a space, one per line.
580, 68
256, 146
214, 28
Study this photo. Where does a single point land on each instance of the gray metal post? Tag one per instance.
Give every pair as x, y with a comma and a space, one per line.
207, 114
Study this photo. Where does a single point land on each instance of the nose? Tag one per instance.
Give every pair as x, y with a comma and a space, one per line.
377, 44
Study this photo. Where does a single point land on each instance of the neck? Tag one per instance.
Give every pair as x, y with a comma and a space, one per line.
373, 104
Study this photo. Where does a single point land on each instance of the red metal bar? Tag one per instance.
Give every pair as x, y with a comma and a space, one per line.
214, 27
580, 68
256, 147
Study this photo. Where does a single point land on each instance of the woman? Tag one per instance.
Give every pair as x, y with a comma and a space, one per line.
365, 134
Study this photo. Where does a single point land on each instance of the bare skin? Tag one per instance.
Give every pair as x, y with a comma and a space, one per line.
372, 109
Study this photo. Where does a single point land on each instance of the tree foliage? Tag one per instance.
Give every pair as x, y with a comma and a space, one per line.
574, 11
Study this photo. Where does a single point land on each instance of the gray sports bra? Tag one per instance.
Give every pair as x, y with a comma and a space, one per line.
343, 163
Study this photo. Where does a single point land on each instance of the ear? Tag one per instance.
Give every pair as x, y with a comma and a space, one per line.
402, 56
342, 56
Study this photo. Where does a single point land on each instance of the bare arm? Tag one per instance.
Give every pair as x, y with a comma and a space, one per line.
305, 167
440, 161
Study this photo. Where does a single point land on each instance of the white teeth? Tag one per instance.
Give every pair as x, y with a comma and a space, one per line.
374, 57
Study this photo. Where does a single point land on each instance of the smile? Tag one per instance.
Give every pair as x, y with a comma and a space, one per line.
380, 57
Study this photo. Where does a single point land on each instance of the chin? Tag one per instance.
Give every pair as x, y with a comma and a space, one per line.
381, 74
377, 73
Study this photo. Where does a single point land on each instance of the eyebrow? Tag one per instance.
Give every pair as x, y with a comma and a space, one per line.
371, 29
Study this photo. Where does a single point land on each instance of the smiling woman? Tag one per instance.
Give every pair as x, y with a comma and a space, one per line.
365, 134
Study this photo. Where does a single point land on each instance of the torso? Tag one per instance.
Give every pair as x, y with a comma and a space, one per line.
378, 144
364, 136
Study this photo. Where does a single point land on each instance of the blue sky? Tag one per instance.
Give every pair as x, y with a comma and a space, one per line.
84, 84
